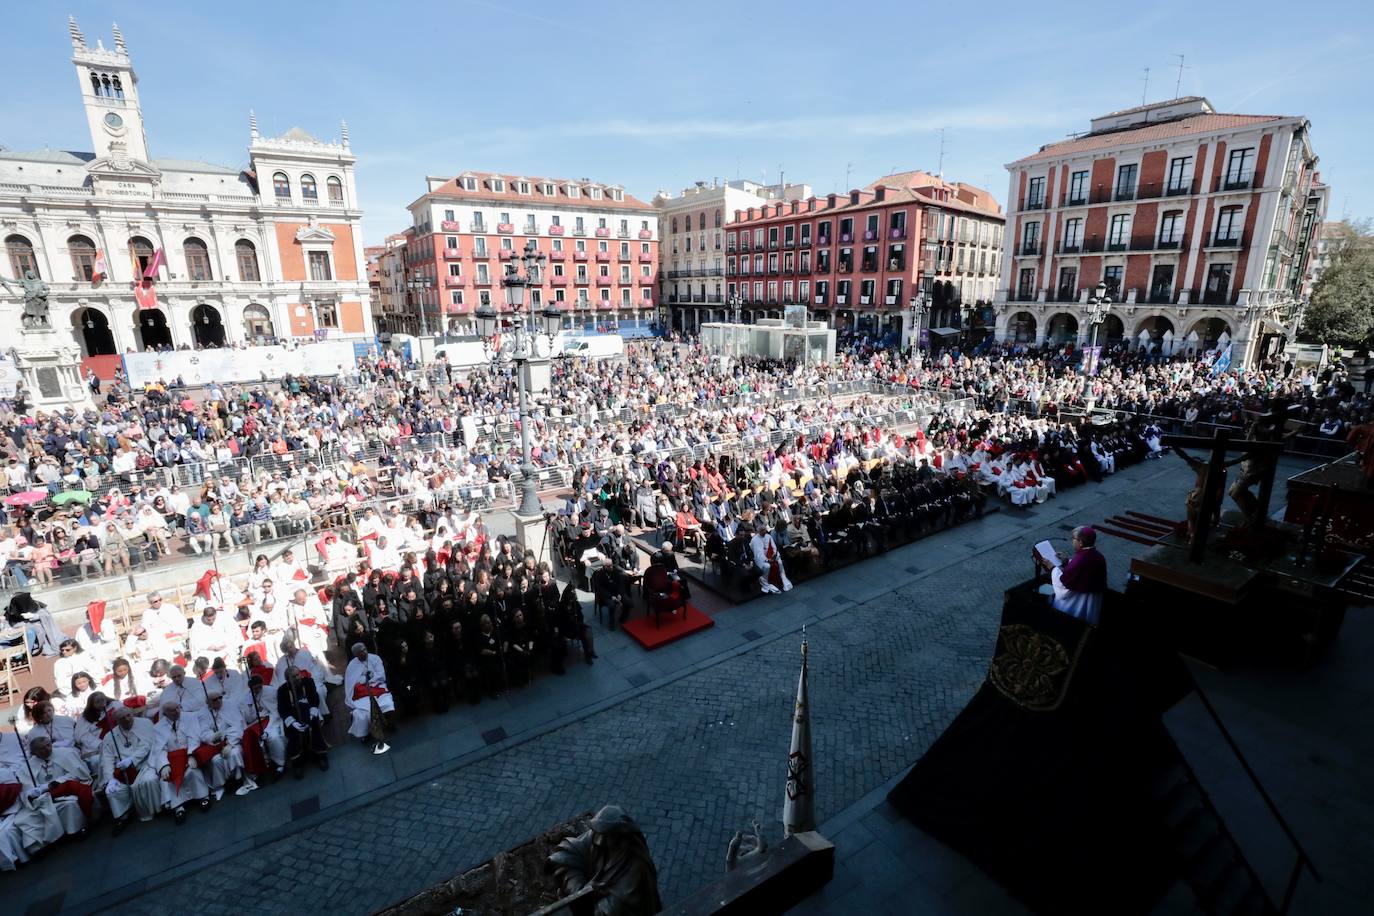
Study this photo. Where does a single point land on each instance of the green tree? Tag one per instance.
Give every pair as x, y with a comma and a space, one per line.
1341, 311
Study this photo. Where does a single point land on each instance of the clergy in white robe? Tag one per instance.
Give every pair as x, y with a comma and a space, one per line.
68, 781
311, 621
166, 625
177, 735
768, 558
215, 635
365, 679
289, 572
128, 768
60, 730
186, 692
28, 820
99, 645
220, 753
230, 681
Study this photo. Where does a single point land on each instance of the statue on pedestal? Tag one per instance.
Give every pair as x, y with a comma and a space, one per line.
610, 863
35, 293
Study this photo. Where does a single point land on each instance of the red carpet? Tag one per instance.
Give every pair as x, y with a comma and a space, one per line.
671, 628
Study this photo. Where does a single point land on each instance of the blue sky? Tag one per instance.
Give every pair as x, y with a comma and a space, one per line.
657, 95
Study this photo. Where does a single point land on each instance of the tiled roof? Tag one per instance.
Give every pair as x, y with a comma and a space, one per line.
452, 189
867, 201
55, 156
1148, 133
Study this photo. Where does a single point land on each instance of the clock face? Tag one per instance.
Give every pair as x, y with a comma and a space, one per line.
113, 120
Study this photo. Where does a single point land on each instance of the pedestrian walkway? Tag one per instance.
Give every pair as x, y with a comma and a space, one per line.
690, 739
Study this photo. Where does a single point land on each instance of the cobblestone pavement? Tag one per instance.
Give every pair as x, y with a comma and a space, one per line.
699, 756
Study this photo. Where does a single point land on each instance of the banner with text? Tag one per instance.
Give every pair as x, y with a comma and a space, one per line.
251, 364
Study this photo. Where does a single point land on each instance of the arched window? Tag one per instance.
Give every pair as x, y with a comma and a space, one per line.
309, 193
281, 187
105, 82
95, 83
117, 86
334, 187
247, 257
141, 251
197, 259
21, 255
82, 251
257, 324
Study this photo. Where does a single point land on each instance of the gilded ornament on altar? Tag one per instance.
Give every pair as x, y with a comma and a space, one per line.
1026, 668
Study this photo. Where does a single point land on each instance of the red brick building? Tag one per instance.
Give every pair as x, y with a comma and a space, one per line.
601, 245
1199, 224
857, 260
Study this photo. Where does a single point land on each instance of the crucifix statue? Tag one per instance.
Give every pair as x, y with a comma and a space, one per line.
1259, 458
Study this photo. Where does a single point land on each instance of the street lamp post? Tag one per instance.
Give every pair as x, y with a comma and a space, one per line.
1100, 304
735, 304
418, 285
524, 327
919, 307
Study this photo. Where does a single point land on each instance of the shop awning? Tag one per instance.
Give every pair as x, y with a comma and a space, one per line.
944, 332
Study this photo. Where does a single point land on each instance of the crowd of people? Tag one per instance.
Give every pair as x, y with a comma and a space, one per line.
760, 468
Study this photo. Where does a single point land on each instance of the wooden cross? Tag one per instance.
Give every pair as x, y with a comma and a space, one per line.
1212, 476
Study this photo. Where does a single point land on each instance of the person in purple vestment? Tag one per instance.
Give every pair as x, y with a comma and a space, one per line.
1077, 587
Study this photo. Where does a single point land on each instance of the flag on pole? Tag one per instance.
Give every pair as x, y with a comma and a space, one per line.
1223, 361
101, 271
144, 294
799, 804
159, 259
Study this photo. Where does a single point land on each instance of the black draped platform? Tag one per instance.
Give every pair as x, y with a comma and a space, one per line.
1044, 780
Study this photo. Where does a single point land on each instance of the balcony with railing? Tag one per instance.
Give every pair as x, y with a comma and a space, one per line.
1075, 247
556, 229
897, 234
845, 266
822, 267
602, 232
645, 234
743, 244
449, 225
1027, 249
579, 231
531, 229
870, 235
559, 279
579, 255
1223, 238
1118, 244
505, 228
453, 281
622, 233
846, 238
479, 228
603, 255
1171, 243
1126, 193
869, 265
582, 280
604, 281
1033, 203
789, 243
481, 252
507, 254
452, 254
482, 279
822, 240
1234, 182
645, 257
1070, 199
623, 256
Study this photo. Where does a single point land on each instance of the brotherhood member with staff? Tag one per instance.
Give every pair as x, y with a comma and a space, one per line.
368, 698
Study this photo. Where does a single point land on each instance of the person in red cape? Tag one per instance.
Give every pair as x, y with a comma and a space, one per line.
175, 738
67, 780
128, 769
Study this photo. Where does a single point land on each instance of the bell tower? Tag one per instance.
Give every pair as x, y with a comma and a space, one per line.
109, 92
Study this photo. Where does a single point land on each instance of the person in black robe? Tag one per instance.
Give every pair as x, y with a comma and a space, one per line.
432, 672
570, 623
490, 662
518, 649
462, 668
302, 716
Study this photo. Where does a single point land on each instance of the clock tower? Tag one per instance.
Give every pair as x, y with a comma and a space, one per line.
109, 92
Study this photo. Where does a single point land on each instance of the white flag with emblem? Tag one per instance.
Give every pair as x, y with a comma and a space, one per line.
799, 804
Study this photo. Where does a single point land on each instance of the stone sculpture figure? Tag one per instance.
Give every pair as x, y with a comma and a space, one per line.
610, 863
35, 293
745, 848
